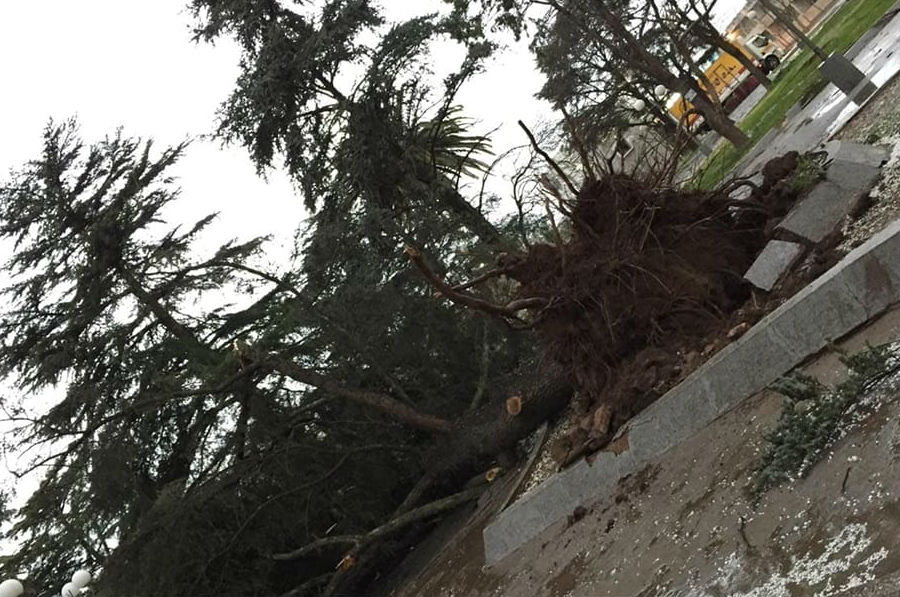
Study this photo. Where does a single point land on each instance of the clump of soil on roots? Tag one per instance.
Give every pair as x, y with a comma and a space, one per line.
646, 278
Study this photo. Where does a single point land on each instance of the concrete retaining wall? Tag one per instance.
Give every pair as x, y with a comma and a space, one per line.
861, 286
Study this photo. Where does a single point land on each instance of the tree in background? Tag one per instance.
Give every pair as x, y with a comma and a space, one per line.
632, 38
596, 91
694, 20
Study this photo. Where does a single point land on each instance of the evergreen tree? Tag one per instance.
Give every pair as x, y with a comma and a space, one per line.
189, 438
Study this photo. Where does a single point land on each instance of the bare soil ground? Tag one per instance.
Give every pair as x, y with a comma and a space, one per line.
685, 526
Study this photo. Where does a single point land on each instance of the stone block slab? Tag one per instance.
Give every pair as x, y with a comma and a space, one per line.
858, 153
831, 200
853, 171
862, 285
846, 77
852, 176
817, 216
775, 259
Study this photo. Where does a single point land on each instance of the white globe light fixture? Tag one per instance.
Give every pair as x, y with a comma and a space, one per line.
751, 14
660, 90
69, 590
11, 588
639, 105
81, 578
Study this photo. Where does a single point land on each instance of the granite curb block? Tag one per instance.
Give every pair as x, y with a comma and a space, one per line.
776, 258
860, 286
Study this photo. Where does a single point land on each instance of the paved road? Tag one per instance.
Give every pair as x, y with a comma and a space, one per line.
831, 109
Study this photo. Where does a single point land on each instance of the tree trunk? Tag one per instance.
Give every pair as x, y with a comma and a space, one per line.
381, 402
678, 135
788, 23
719, 121
487, 431
637, 56
475, 441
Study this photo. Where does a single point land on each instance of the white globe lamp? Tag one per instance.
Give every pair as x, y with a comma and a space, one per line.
660, 90
81, 578
69, 590
639, 105
11, 588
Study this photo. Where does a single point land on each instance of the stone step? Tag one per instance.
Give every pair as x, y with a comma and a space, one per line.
848, 179
776, 258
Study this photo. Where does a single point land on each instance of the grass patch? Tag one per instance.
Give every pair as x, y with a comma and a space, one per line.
812, 415
796, 81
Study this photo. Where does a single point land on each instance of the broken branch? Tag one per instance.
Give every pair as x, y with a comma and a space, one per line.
549, 160
508, 310
388, 528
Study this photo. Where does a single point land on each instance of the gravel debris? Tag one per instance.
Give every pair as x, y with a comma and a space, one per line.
878, 123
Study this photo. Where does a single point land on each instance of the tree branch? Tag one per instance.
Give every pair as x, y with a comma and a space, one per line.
548, 159
383, 402
509, 310
388, 528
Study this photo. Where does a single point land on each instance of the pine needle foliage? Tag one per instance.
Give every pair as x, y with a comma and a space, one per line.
814, 415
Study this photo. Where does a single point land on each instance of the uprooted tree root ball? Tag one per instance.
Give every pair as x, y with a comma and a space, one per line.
643, 266
644, 274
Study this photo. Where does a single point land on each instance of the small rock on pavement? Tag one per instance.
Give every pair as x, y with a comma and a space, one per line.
776, 258
738, 330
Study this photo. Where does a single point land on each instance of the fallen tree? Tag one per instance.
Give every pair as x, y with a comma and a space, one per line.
643, 271
644, 274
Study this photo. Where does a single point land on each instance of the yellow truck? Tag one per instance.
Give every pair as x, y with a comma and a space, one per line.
730, 81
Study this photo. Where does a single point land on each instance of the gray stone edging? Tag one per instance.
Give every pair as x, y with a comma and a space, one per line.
860, 286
